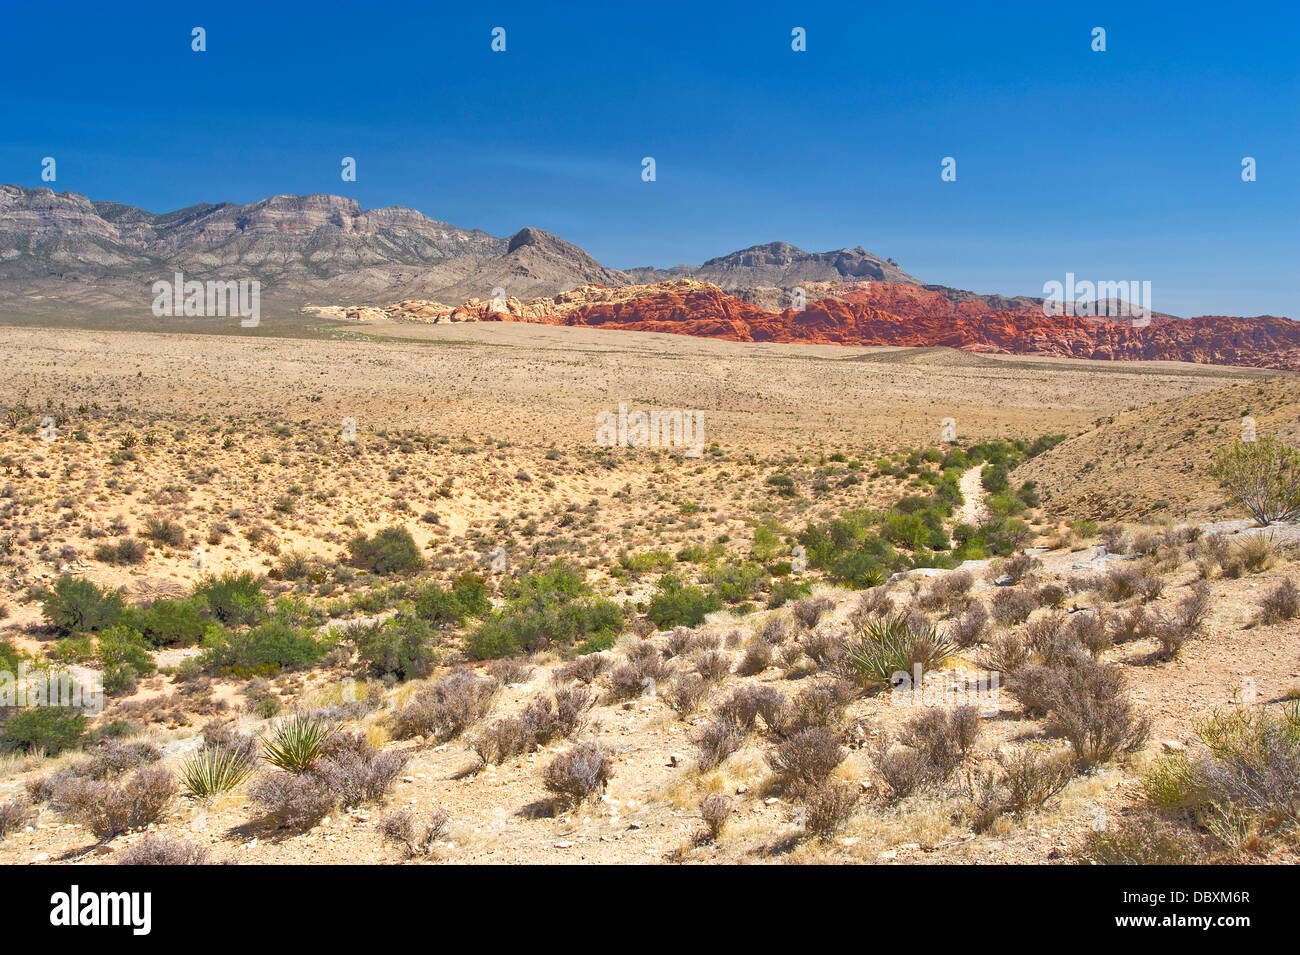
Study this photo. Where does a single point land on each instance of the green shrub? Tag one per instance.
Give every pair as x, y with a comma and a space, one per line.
263, 650
549, 607
124, 656
391, 551
594, 622
471, 591
736, 581
233, 598
1170, 783
468, 597
677, 605
10, 657
76, 605
400, 646
47, 729
170, 623
783, 591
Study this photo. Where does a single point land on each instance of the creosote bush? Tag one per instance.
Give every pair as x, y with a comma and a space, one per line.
1263, 476
391, 551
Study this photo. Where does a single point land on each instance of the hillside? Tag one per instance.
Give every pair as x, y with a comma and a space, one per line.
1155, 459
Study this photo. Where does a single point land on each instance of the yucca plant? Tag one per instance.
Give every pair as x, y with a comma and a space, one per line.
216, 769
296, 743
885, 645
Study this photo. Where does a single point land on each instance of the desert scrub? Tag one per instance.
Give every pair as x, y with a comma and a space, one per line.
262, 651
164, 532
76, 605
215, 770
391, 551
446, 708
126, 551
296, 743
1280, 603
416, 835
1087, 705
806, 759
233, 598
679, 605
943, 735
347, 770
542, 721
109, 808
578, 773
1023, 781
716, 740
884, 646
1144, 840
157, 850
15, 814
828, 808
1251, 767
400, 647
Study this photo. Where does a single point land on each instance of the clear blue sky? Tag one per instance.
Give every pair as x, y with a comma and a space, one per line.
1123, 164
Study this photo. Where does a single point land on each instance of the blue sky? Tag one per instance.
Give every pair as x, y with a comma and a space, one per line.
1117, 165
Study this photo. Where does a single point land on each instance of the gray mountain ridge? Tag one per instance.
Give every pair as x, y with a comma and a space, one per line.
64, 249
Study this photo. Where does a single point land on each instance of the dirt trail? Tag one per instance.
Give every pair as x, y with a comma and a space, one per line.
972, 493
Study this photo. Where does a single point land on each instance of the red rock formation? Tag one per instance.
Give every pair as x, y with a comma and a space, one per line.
878, 313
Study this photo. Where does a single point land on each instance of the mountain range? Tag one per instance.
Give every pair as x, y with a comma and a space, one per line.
63, 251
